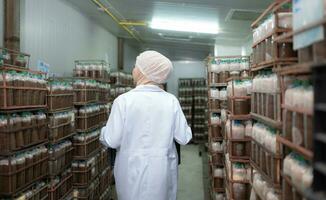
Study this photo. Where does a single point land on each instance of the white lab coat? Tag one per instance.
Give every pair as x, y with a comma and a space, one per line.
142, 127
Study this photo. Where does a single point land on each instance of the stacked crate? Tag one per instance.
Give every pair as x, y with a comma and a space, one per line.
200, 110
60, 115
193, 100
270, 56
23, 129
303, 136
185, 93
91, 97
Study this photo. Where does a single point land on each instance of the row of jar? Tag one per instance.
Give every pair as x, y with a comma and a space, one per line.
222, 77
22, 169
279, 20
10, 98
22, 79
12, 58
268, 50
95, 70
115, 92
239, 88
229, 64
61, 185
37, 191
60, 156
192, 82
121, 78
21, 130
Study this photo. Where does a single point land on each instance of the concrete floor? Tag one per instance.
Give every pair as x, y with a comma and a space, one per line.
192, 172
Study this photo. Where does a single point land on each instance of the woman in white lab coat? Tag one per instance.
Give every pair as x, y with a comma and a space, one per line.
143, 125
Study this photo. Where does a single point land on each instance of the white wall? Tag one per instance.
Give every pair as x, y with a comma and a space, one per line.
130, 53
224, 50
185, 69
56, 33
1, 23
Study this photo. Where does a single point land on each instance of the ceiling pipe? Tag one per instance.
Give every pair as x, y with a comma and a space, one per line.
12, 24
125, 27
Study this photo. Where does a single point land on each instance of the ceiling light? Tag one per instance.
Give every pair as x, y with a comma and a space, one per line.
185, 25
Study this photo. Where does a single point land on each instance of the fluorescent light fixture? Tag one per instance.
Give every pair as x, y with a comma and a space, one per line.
184, 25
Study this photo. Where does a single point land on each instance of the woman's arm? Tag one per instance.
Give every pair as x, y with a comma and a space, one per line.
182, 132
111, 134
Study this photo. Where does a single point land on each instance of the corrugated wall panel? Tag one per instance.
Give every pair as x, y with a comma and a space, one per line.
56, 33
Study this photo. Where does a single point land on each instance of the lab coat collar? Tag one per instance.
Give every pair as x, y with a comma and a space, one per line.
148, 88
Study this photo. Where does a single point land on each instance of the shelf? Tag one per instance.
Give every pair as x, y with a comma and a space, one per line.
91, 128
13, 109
8, 67
218, 85
61, 139
85, 103
298, 110
271, 63
296, 69
60, 110
240, 159
239, 97
239, 78
27, 148
239, 117
246, 139
307, 154
215, 110
275, 31
265, 120
88, 156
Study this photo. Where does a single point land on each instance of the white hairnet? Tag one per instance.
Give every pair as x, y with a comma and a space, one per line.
154, 66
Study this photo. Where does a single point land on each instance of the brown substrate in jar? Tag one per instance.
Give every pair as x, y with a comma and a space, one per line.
223, 76
287, 126
270, 106
241, 106
305, 54
21, 174
217, 158
7, 183
241, 191
213, 77
10, 97
35, 136
215, 131
238, 149
309, 132
218, 183
285, 50
214, 104
29, 170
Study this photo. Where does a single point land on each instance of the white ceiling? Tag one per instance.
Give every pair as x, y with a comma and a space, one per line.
232, 31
